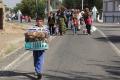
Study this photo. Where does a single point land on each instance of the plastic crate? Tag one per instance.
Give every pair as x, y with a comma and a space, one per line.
37, 45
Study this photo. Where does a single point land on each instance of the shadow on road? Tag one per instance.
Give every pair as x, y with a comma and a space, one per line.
7, 74
29, 76
111, 30
111, 27
113, 71
112, 38
59, 75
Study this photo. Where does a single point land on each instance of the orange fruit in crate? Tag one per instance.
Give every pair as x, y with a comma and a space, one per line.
30, 33
35, 34
43, 35
31, 37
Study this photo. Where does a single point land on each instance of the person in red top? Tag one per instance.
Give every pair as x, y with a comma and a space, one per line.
75, 25
26, 18
88, 20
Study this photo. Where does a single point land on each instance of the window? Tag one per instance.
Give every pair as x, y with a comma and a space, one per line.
110, 6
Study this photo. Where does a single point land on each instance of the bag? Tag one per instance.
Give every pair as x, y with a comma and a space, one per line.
79, 27
36, 45
93, 28
84, 31
81, 21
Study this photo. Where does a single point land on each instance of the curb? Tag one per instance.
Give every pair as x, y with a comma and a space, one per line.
106, 24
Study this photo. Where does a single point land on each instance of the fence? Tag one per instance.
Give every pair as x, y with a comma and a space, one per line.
111, 19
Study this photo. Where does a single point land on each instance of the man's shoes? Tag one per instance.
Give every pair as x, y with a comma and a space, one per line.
39, 76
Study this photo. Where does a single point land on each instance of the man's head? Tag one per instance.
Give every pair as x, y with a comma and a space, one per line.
87, 10
51, 14
40, 21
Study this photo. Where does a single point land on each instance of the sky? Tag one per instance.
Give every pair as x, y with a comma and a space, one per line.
11, 3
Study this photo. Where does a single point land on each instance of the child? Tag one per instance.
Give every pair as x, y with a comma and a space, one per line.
38, 54
75, 25
56, 29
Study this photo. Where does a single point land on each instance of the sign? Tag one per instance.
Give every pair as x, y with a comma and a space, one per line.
94, 10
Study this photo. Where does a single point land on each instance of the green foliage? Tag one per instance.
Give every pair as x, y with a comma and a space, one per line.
41, 9
99, 4
18, 7
28, 7
7, 9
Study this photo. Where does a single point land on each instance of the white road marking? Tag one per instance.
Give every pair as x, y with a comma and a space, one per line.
11, 53
23, 60
115, 48
12, 63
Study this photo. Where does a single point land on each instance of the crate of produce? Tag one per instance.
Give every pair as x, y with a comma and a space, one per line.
36, 45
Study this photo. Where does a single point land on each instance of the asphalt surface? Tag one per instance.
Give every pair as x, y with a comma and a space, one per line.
73, 57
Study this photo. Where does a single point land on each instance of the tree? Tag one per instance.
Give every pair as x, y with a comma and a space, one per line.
18, 7
41, 8
68, 3
28, 7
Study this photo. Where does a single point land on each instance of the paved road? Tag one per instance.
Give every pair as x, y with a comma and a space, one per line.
72, 57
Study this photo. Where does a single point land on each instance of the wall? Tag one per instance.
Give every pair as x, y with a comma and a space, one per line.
111, 13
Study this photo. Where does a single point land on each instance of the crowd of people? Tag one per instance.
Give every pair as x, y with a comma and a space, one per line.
61, 21
14, 16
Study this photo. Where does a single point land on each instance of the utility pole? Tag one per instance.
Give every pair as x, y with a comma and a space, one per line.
48, 8
36, 2
82, 4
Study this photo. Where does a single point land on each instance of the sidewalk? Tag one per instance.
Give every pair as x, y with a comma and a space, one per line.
11, 38
106, 24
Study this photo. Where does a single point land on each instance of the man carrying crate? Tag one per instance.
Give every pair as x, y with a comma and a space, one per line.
38, 42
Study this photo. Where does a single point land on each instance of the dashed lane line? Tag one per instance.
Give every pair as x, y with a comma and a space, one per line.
23, 60
18, 59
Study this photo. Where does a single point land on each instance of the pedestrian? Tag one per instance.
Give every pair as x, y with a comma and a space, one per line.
51, 23
26, 18
62, 25
56, 29
29, 19
75, 25
82, 19
67, 18
88, 20
79, 16
21, 19
38, 55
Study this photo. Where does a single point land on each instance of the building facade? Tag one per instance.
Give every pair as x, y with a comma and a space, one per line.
111, 11
1, 14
